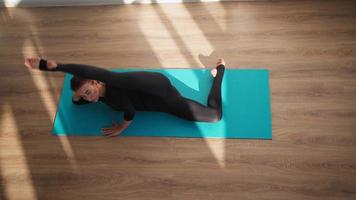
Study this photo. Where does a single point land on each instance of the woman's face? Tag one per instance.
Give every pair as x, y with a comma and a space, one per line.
89, 91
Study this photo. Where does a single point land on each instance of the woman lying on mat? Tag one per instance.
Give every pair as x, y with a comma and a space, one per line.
139, 90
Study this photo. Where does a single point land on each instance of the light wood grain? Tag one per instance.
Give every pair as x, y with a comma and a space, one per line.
308, 46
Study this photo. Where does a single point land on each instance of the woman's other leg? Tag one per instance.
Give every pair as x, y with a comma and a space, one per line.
195, 111
214, 98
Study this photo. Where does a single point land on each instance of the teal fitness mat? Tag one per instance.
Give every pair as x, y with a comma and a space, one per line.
246, 108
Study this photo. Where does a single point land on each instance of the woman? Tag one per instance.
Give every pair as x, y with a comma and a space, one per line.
131, 91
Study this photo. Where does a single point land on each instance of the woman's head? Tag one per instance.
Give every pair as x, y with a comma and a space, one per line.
88, 89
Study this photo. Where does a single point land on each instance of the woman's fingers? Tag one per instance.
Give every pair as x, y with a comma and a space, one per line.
107, 131
110, 132
113, 134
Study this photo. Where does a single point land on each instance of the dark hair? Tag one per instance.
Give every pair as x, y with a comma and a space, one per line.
76, 82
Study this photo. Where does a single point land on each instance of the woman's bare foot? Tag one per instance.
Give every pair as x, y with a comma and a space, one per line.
215, 71
221, 61
34, 62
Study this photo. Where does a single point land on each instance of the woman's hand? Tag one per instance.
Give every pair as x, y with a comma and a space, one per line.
34, 62
115, 130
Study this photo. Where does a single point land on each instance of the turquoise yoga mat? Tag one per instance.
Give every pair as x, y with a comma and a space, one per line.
246, 108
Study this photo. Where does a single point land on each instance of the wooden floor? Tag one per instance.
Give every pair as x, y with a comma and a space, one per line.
308, 46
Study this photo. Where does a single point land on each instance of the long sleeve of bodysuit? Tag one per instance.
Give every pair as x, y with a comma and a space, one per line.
81, 101
128, 108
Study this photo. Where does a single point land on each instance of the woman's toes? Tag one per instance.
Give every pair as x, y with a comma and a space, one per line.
221, 61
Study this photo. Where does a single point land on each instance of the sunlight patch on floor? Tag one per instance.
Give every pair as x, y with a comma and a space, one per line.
217, 147
161, 41
48, 100
188, 30
15, 173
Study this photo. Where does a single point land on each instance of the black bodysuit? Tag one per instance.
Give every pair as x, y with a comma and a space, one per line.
147, 91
